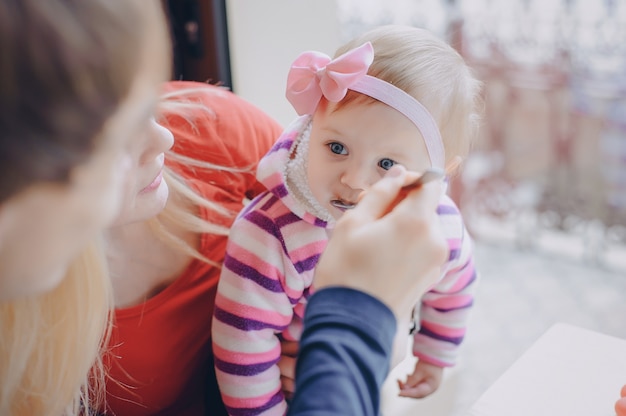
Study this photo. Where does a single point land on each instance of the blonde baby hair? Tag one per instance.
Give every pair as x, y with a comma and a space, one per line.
431, 71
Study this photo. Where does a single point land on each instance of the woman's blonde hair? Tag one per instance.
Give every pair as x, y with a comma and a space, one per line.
65, 68
430, 70
49, 342
184, 204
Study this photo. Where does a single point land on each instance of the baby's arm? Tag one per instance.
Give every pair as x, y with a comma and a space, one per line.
250, 309
444, 310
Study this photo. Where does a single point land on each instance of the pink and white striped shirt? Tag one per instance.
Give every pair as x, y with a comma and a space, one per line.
273, 248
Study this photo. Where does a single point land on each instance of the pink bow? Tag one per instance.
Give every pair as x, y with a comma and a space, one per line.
314, 74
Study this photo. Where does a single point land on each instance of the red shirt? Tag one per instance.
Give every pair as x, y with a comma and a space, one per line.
161, 349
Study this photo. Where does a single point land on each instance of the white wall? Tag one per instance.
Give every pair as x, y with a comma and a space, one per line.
266, 36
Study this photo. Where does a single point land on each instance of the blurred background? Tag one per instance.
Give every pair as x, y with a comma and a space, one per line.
543, 191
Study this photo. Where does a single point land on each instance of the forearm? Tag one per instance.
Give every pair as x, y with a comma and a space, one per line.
245, 346
445, 310
344, 354
443, 317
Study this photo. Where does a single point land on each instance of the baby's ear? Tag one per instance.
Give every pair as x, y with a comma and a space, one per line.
453, 165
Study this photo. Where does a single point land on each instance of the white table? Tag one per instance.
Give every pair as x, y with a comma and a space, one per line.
568, 371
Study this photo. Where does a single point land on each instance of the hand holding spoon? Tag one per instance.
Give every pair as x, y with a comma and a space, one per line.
428, 175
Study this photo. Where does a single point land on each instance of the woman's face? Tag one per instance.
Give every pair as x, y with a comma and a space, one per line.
145, 191
44, 227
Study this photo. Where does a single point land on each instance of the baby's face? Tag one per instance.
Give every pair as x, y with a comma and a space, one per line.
352, 148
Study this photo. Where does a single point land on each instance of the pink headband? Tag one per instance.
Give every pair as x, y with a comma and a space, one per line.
314, 74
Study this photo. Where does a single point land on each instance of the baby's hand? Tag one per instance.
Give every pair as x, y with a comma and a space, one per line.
287, 366
425, 379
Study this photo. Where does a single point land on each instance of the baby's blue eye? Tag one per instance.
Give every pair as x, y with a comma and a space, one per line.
337, 148
386, 163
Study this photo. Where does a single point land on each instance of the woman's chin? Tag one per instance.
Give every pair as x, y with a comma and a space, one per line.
152, 204
146, 206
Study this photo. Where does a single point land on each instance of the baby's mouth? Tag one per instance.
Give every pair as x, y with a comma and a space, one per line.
342, 205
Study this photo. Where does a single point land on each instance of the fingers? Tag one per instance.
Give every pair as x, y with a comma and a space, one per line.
419, 391
373, 203
417, 385
620, 405
424, 381
407, 244
417, 214
415, 182
287, 367
288, 386
376, 199
423, 200
289, 348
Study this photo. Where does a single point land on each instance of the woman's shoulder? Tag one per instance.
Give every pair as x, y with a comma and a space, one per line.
215, 125
220, 107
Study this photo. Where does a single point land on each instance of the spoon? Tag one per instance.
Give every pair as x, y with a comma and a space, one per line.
428, 176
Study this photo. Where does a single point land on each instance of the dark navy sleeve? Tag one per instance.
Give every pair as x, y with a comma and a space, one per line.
344, 354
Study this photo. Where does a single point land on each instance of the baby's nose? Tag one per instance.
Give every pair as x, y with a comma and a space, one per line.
358, 178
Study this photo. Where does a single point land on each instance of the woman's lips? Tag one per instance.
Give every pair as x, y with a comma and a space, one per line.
154, 184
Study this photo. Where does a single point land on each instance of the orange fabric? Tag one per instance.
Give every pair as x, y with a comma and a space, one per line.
162, 348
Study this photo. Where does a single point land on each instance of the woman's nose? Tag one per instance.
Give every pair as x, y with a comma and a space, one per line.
164, 137
158, 140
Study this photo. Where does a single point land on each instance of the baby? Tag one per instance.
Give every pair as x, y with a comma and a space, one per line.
395, 95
